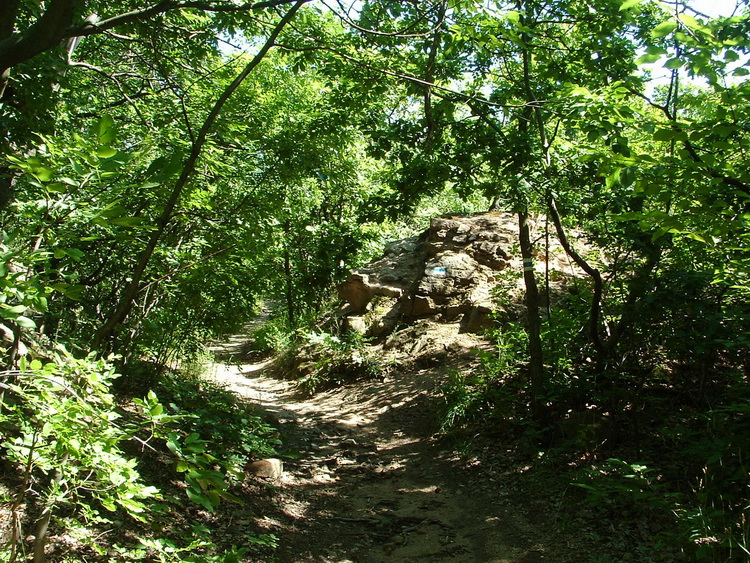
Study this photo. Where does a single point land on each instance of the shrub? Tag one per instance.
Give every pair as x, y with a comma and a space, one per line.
61, 432
336, 360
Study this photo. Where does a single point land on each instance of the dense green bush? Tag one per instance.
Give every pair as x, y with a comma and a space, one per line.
79, 454
63, 434
334, 361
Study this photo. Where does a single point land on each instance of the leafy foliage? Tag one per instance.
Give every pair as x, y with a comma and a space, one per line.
327, 361
547, 108
59, 421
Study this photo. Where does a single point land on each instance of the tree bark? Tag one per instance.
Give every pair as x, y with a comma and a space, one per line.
127, 299
594, 274
530, 114
47, 32
288, 280
536, 362
56, 23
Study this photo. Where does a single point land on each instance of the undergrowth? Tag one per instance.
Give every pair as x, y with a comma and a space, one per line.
326, 361
668, 471
79, 462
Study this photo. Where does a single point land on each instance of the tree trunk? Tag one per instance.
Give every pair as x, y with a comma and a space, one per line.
536, 360
594, 274
288, 280
44, 34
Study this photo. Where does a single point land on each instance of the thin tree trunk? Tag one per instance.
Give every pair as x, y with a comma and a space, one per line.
290, 307
40, 534
536, 363
532, 114
593, 273
127, 299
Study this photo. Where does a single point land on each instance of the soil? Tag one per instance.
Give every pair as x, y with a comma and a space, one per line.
366, 479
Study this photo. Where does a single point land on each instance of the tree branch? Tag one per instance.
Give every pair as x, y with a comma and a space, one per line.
594, 274
8, 13
167, 6
42, 35
694, 156
56, 24
405, 33
127, 299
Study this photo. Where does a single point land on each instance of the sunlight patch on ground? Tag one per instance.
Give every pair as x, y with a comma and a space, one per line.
423, 490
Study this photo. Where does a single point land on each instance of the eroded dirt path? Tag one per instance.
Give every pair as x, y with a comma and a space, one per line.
367, 481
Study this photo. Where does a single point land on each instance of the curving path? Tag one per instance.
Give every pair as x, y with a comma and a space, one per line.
367, 482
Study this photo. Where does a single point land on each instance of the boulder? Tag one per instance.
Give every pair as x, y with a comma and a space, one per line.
391, 276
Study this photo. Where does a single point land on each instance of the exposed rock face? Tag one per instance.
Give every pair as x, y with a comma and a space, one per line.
448, 272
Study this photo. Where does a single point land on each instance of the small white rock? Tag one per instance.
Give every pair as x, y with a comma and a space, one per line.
271, 468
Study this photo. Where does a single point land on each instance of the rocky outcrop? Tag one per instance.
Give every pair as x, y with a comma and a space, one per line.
449, 273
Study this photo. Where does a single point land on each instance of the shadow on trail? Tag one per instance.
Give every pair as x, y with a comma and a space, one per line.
370, 485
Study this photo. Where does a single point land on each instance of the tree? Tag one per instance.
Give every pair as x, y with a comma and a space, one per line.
130, 291
29, 29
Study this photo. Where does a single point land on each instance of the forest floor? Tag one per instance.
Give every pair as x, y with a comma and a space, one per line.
366, 479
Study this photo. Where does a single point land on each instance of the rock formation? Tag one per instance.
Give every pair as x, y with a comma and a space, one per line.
448, 273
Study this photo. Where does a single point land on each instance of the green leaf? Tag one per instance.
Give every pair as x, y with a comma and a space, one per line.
200, 499
669, 135
630, 4
740, 72
627, 176
172, 444
105, 130
513, 16
105, 152
647, 59
126, 221
696, 236
75, 253
690, 21
43, 173
14, 310
71, 291
730, 56
56, 188
613, 178
674, 63
193, 438
621, 149
25, 322
663, 29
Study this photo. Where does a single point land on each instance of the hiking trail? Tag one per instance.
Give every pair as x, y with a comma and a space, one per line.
369, 482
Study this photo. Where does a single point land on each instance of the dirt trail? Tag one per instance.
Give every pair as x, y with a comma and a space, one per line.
370, 483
